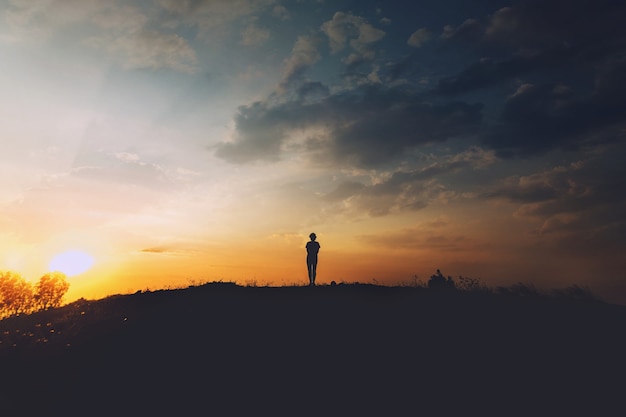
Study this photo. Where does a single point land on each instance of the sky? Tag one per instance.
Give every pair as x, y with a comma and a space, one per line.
178, 142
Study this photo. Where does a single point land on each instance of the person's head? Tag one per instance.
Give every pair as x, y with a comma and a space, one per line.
313, 236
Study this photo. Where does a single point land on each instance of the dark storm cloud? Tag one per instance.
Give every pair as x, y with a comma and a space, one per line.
384, 125
540, 118
571, 54
537, 36
553, 76
366, 126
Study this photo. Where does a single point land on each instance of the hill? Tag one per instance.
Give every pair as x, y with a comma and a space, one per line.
221, 349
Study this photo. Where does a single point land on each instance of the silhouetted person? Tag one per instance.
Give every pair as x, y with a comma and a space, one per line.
312, 248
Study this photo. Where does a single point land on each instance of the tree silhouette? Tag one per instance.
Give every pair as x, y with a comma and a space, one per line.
49, 291
16, 294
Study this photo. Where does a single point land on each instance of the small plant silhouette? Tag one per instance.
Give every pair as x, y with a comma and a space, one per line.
519, 290
470, 284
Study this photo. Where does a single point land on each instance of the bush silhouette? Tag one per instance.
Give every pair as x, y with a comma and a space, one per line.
438, 281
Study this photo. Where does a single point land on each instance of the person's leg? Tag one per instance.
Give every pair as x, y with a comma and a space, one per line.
313, 272
309, 268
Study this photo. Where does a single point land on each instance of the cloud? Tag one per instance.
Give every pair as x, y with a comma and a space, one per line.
260, 132
438, 234
88, 197
570, 76
408, 66
484, 73
155, 250
407, 189
212, 18
126, 18
303, 55
533, 37
253, 35
539, 187
346, 28
43, 19
50, 11
540, 118
281, 12
471, 30
416, 239
577, 206
168, 250
47, 17
574, 188
125, 31
534, 26
128, 169
365, 126
150, 50
141, 36
400, 194
345, 190
419, 38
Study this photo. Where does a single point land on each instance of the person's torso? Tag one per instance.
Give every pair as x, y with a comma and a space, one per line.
312, 248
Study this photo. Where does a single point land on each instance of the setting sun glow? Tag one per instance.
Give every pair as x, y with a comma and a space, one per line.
72, 262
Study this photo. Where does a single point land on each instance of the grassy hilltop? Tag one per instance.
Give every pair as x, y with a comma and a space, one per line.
354, 349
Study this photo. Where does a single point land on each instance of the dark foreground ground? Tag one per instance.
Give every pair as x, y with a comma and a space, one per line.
346, 350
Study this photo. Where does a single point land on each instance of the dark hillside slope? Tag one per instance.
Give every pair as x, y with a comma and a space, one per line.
221, 349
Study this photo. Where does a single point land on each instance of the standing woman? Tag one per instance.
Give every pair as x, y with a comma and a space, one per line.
312, 248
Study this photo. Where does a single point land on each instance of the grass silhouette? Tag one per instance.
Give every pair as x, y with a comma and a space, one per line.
346, 349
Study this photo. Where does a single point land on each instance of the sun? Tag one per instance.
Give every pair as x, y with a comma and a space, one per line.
72, 262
